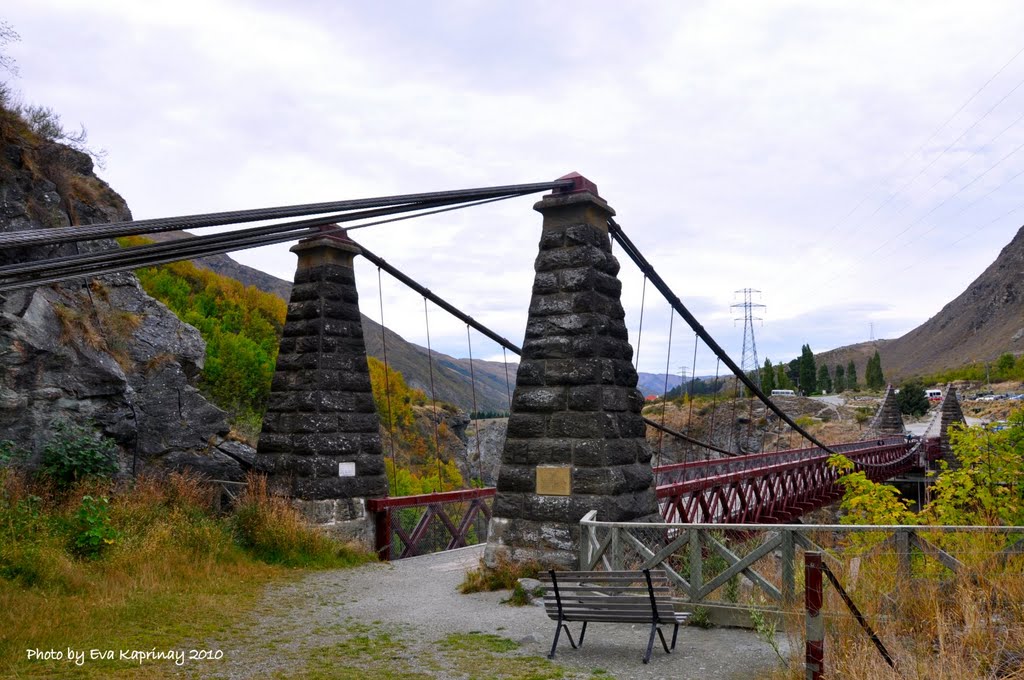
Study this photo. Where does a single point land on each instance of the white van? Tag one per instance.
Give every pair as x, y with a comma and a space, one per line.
783, 393
933, 395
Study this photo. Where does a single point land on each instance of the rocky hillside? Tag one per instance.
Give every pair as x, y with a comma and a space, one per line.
98, 352
983, 322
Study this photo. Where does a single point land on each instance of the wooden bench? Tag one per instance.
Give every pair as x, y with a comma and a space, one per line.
611, 597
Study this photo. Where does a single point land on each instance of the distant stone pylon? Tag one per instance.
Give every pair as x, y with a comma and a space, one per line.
888, 419
950, 412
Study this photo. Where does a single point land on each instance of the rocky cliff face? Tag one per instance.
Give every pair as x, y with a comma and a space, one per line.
487, 437
98, 351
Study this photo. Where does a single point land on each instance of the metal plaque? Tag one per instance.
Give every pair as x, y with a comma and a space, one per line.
554, 480
347, 469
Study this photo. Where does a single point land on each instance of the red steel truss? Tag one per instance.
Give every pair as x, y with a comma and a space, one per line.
417, 525
756, 488
770, 487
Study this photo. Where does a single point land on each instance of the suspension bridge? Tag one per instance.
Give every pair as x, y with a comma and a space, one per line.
576, 437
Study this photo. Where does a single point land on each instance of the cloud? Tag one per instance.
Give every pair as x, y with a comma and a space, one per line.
768, 145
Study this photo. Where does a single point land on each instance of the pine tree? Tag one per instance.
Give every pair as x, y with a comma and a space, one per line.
824, 380
793, 371
839, 381
808, 371
767, 377
851, 375
912, 399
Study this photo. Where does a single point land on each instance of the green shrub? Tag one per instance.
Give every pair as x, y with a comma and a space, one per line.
11, 453
701, 617
92, 530
76, 452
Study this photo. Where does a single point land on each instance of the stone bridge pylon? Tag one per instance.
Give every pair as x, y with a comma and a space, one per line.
320, 443
888, 419
575, 440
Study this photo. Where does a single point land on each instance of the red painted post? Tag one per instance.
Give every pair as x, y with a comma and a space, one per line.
815, 659
382, 529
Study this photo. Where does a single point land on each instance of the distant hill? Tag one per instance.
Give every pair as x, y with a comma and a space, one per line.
653, 384
983, 322
451, 376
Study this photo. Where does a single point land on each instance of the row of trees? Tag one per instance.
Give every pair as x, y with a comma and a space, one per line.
805, 375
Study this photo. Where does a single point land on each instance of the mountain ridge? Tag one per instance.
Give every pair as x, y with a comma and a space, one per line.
983, 322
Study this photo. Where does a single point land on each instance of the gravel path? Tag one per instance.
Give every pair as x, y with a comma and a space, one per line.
401, 613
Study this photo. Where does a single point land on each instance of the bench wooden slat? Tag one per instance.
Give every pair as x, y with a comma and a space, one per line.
604, 601
578, 588
655, 573
611, 597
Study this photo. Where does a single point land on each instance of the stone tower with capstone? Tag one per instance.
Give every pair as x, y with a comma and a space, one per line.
320, 443
576, 439
888, 419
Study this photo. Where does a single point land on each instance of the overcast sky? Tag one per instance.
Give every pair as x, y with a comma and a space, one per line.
857, 162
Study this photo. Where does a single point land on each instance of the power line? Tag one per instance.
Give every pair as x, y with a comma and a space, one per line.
932, 136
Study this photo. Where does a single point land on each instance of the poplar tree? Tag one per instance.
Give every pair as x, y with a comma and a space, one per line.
808, 370
767, 377
824, 379
873, 376
851, 375
839, 381
782, 381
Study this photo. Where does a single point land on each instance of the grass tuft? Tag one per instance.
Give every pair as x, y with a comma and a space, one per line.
505, 576
273, 530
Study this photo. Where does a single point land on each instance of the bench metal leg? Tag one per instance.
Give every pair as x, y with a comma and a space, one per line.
655, 628
675, 633
663, 643
650, 643
558, 631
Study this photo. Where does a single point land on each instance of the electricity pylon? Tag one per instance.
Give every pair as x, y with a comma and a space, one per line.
749, 362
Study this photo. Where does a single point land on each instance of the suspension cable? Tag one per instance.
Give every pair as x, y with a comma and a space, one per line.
693, 380
427, 294
640, 331
387, 385
627, 245
152, 254
664, 394
714, 402
433, 400
508, 387
136, 227
693, 440
472, 383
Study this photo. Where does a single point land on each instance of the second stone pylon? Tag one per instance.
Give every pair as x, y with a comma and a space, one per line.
576, 438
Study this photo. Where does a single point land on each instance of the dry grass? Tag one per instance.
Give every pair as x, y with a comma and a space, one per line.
936, 625
95, 323
176, 572
269, 526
